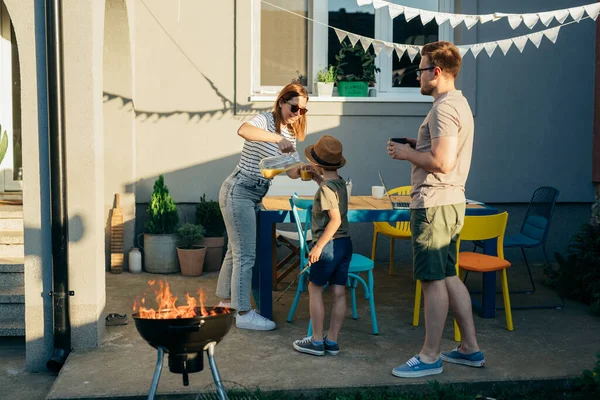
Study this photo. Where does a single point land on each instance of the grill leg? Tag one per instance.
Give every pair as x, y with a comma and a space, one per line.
210, 352
157, 370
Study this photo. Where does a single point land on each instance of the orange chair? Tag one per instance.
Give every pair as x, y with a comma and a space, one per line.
479, 228
401, 230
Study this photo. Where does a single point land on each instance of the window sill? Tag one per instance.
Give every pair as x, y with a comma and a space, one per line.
405, 98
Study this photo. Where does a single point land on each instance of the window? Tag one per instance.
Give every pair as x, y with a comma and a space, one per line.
295, 48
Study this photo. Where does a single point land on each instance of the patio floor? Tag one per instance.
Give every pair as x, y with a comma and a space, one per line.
545, 344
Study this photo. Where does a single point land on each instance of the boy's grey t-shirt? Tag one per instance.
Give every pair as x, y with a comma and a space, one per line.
330, 195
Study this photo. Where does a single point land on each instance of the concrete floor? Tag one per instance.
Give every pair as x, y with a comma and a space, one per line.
545, 344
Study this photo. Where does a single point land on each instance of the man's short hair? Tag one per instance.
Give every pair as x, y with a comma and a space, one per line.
444, 55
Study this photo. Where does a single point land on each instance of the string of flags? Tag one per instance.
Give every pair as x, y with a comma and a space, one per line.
592, 10
514, 20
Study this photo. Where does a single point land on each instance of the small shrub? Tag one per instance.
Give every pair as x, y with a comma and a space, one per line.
208, 214
326, 75
163, 217
189, 235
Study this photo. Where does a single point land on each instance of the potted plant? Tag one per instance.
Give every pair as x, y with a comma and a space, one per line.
325, 81
191, 254
358, 72
208, 214
160, 240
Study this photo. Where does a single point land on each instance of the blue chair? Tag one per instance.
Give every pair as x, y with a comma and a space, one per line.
358, 264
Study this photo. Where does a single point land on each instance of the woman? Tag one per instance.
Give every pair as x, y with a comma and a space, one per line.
268, 134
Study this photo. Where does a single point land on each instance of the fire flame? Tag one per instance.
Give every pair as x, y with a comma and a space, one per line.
167, 307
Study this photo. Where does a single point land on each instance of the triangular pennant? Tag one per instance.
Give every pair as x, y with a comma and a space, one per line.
463, 50
389, 48
353, 38
536, 38
363, 2
552, 34
399, 50
476, 49
378, 46
530, 20
561, 15
395, 10
592, 10
520, 42
456, 19
515, 20
440, 18
576, 13
546, 17
490, 47
412, 52
470, 21
377, 4
426, 16
340, 34
504, 45
486, 18
365, 42
410, 13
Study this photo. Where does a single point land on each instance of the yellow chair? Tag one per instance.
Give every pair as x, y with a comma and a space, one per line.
400, 231
479, 228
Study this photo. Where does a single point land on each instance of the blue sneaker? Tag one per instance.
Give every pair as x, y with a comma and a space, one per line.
307, 346
472, 360
331, 348
415, 368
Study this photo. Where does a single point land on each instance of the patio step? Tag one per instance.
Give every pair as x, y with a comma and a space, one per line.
11, 218
11, 243
11, 272
12, 311
12, 328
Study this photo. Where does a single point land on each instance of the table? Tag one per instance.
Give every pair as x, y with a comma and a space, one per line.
276, 209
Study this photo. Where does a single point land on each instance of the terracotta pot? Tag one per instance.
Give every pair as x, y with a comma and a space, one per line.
214, 253
191, 261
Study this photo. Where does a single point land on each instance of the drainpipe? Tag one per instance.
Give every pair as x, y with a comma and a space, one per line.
58, 186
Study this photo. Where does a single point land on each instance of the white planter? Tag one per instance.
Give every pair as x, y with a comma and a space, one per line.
160, 253
324, 89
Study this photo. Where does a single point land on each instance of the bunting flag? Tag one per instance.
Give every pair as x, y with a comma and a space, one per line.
514, 20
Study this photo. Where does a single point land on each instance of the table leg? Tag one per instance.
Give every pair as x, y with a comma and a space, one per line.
488, 295
263, 256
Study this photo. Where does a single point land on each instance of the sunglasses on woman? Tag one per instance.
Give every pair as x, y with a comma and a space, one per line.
294, 108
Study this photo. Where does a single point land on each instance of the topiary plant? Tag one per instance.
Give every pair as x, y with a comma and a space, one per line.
208, 214
189, 235
163, 217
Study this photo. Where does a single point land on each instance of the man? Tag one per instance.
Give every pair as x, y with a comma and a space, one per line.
441, 159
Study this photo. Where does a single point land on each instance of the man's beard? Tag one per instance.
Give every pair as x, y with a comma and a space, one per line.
426, 90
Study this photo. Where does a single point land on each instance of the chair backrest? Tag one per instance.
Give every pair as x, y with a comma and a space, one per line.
536, 223
483, 227
282, 185
302, 226
400, 191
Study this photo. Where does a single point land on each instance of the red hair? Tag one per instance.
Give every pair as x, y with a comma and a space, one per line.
298, 129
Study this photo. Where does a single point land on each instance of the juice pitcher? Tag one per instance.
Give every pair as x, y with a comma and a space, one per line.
271, 166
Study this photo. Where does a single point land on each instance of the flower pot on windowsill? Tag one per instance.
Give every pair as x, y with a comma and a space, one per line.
324, 89
191, 260
353, 89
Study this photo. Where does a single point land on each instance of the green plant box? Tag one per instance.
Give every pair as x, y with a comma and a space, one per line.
353, 89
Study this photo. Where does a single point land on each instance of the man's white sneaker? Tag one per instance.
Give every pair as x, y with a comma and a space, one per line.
253, 320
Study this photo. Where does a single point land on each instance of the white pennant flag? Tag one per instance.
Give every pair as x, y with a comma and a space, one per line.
536, 38
377, 4
515, 20
353, 38
389, 48
505, 45
490, 47
440, 18
592, 10
412, 52
456, 19
340, 34
363, 2
395, 10
463, 50
530, 20
366, 42
520, 42
470, 21
378, 46
486, 18
399, 50
410, 13
546, 17
426, 16
476, 49
561, 15
552, 34
576, 13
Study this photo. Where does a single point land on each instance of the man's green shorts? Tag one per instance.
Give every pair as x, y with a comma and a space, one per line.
435, 232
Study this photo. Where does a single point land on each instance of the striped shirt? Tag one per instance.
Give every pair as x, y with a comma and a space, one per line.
253, 151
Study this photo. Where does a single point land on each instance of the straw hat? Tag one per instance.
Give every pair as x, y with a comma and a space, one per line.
326, 153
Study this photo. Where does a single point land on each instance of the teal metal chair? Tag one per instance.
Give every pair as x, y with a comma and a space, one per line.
358, 265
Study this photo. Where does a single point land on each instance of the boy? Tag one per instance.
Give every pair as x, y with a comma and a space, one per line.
330, 257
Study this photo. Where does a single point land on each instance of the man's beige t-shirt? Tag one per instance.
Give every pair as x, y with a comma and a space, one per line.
330, 196
449, 116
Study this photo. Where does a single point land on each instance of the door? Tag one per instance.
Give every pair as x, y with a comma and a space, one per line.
11, 166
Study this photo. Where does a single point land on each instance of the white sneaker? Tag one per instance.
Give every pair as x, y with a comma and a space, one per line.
253, 320
221, 304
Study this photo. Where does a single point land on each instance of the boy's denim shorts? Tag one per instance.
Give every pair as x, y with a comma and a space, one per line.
333, 264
